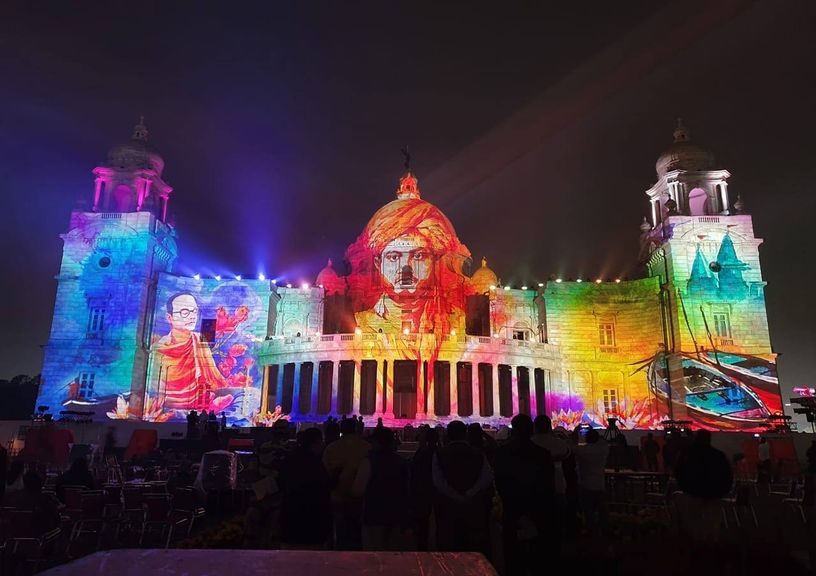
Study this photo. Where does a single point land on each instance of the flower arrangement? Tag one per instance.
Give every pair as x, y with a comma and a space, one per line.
269, 419
152, 410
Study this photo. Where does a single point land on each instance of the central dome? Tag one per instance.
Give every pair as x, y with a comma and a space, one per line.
136, 153
683, 155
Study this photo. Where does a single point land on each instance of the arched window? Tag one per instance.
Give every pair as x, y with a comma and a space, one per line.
698, 202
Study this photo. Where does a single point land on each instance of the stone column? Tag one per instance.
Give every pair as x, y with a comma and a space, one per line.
335, 387
420, 411
496, 405
379, 387
97, 193
355, 402
531, 383
514, 391
474, 388
454, 389
315, 382
296, 391
279, 388
388, 366
431, 384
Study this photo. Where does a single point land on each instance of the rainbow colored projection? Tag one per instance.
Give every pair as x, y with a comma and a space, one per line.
404, 332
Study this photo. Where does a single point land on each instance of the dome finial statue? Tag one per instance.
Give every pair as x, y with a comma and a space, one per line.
645, 226
140, 130
681, 133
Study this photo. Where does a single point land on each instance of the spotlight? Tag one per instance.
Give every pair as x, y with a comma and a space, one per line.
453, 332
579, 280
541, 284
524, 287
507, 287
305, 285
617, 280
496, 335
196, 276
237, 276
218, 276
275, 282
288, 285
321, 286
598, 281
558, 280
406, 331
358, 331
261, 276
492, 287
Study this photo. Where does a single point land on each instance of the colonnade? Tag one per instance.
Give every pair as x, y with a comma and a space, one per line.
405, 389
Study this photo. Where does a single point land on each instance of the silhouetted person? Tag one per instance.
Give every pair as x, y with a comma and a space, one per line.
342, 459
44, 506
704, 476
650, 451
223, 420
3, 471
559, 450
764, 466
383, 482
77, 475
192, 425
671, 450
591, 462
483, 442
422, 489
524, 479
463, 481
304, 484
331, 431
702, 471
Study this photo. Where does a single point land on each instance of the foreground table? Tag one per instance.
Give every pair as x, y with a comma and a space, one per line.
135, 562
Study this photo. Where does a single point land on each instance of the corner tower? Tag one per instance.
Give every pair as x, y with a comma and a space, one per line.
97, 349
715, 326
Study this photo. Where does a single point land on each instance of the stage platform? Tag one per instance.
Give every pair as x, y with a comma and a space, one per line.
282, 562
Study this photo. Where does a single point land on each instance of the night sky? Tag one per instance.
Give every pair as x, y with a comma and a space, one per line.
535, 126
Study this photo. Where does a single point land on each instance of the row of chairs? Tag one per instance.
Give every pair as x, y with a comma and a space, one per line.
142, 508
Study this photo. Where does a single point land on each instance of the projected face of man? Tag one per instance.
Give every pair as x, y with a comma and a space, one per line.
185, 313
405, 263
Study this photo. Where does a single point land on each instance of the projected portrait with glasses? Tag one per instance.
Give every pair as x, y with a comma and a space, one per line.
188, 370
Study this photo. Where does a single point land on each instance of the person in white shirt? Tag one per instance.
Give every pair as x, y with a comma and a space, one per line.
591, 461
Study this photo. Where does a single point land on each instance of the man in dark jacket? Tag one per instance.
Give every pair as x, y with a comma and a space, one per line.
704, 476
525, 481
463, 482
304, 484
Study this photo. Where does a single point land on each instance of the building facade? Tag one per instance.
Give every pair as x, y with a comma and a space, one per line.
401, 331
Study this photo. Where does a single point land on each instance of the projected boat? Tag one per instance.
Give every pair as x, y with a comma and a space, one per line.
711, 397
752, 370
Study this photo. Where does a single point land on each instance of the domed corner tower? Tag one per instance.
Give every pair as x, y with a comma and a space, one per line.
703, 248
96, 356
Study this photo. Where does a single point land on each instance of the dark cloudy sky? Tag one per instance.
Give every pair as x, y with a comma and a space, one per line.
534, 125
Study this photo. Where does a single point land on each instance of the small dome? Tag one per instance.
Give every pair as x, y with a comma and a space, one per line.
330, 281
484, 278
683, 155
136, 153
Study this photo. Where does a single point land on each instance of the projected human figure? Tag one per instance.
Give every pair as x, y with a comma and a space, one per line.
187, 369
407, 268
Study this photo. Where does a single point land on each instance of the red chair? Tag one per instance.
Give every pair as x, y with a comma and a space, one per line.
158, 515
185, 505
92, 516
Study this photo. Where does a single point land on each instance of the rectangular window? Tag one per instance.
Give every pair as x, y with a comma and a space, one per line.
96, 320
519, 334
86, 384
722, 326
610, 399
606, 334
